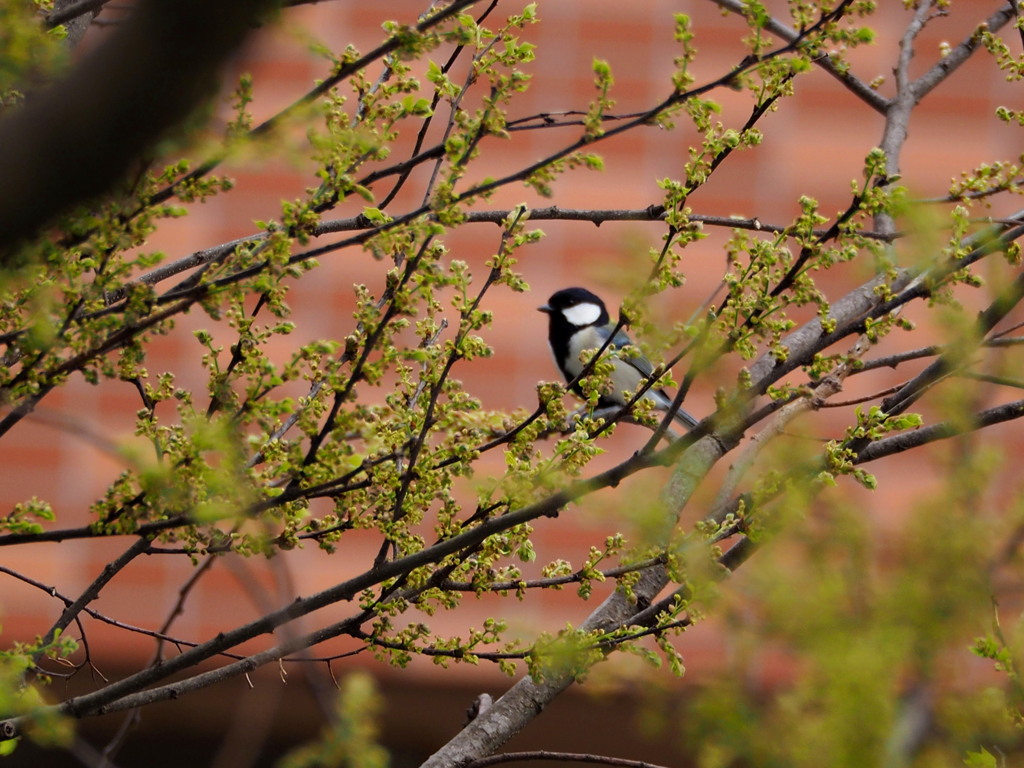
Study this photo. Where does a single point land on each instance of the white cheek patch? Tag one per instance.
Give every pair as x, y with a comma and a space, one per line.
582, 314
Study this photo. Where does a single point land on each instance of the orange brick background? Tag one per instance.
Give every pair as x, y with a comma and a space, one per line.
814, 145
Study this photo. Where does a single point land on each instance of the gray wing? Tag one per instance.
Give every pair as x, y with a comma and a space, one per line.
646, 369
638, 361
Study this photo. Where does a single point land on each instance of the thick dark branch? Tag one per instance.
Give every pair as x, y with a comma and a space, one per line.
561, 757
76, 139
78, 24
71, 11
293, 3
160, 635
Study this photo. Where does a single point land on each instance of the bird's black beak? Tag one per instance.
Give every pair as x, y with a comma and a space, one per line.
546, 308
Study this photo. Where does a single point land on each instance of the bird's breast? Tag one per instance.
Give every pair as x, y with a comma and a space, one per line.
582, 340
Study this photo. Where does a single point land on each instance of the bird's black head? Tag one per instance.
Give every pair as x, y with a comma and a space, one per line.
571, 311
572, 308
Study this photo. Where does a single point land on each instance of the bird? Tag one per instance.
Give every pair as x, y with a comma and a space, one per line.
578, 320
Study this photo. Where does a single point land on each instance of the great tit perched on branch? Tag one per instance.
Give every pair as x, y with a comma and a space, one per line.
577, 321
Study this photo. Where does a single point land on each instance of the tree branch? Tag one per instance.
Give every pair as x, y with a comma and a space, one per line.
92, 592
64, 12
952, 61
952, 360
905, 441
560, 757
855, 85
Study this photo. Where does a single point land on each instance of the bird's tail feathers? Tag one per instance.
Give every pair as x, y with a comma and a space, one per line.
685, 419
665, 403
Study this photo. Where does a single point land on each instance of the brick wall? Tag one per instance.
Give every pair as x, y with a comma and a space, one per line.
814, 145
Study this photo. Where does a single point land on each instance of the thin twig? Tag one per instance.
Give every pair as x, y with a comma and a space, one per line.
92, 592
